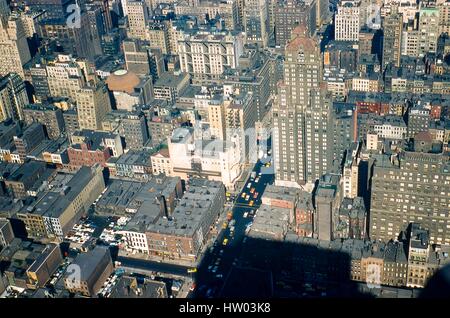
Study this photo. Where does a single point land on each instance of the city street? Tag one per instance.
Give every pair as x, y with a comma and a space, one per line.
219, 258
218, 261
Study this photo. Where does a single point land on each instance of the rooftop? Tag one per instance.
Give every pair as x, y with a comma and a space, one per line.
189, 214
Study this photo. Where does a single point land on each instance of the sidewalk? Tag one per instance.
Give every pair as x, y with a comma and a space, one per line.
155, 258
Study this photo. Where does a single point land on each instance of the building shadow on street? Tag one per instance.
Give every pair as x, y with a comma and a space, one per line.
280, 269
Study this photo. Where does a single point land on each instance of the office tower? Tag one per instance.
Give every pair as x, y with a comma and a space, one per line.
96, 26
240, 118
13, 97
343, 130
64, 76
414, 187
38, 74
256, 22
327, 198
301, 115
107, 26
6, 232
31, 138
365, 41
111, 42
158, 36
71, 121
48, 115
73, 38
134, 129
322, 12
227, 10
428, 30
55, 9
444, 17
92, 105
14, 50
419, 120
291, 13
206, 55
4, 9
392, 27
253, 75
348, 20
137, 19
350, 171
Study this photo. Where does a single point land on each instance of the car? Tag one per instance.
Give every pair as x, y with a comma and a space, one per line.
221, 252
245, 214
244, 240
247, 197
252, 190
249, 185
251, 203
192, 287
210, 267
225, 242
215, 269
256, 180
255, 195
219, 275
243, 195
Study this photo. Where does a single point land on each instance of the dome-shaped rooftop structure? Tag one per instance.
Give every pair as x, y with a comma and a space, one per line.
123, 81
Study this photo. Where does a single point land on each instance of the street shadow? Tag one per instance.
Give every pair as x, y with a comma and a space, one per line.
280, 269
438, 286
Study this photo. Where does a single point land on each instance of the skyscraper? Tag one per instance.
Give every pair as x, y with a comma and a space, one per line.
14, 51
93, 104
256, 22
428, 30
289, 14
301, 115
392, 39
137, 19
13, 97
348, 20
414, 187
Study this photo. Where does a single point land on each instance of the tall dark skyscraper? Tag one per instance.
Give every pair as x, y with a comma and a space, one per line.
301, 115
291, 13
392, 39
